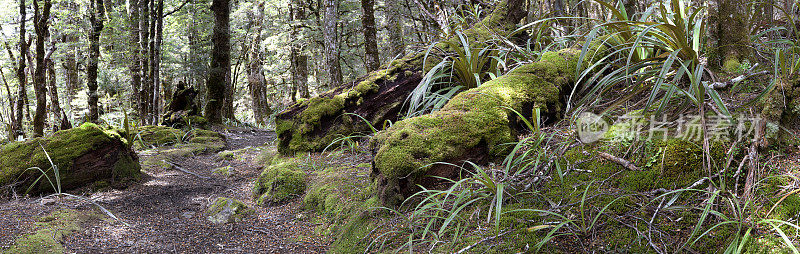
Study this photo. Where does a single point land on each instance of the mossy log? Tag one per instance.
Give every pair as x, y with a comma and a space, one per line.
470, 127
82, 156
313, 124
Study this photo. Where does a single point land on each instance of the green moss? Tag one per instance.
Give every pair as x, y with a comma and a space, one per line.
227, 210
49, 232
157, 136
342, 196
223, 171
226, 155
278, 183
63, 148
473, 120
302, 132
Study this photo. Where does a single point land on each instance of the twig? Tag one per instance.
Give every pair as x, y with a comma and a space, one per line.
481, 241
625, 163
178, 167
736, 80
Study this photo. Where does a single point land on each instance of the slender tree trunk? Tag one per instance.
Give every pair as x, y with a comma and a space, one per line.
255, 75
144, 35
331, 37
55, 105
41, 19
395, 27
219, 73
135, 54
21, 77
299, 61
372, 59
96, 20
156, 69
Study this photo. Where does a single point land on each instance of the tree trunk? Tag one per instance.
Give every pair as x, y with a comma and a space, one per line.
299, 61
21, 77
732, 33
96, 20
144, 44
134, 52
156, 61
41, 19
255, 75
55, 105
219, 73
397, 46
331, 37
372, 59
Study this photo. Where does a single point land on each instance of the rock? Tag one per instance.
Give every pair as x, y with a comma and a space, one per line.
279, 182
184, 109
82, 156
227, 210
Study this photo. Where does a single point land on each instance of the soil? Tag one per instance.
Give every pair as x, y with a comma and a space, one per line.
165, 210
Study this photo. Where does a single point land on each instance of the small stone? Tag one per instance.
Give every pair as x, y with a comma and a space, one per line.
188, 215
226, 210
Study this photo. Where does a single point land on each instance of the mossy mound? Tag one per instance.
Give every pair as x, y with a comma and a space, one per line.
313, 124
227, 210
471, 126
781, 110
49, 230
279, 182
82, 155
342, 196
197, 140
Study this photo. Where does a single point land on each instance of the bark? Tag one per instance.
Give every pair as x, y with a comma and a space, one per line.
156, 61
732, 33
55, 105
96, 21
41, 19
219, 73
330, 33
134, 54
256, 81
144, 44
372, 59
21, 77
299, 61
395, 28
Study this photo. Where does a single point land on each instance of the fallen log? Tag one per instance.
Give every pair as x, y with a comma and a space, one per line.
470, 127
82, 156
313, 124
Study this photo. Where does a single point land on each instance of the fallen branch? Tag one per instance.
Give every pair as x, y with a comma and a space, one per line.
736, 80
178, 167
622, 162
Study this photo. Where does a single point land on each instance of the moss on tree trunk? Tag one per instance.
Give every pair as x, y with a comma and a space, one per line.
82, 155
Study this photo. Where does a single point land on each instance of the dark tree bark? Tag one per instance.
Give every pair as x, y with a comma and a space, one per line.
394, 26
134, 54
41, 19
371, 57
96, 20
144, 44
330, 33
219, 73
21, 77
299, 61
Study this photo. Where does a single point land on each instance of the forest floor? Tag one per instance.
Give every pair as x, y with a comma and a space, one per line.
166, 210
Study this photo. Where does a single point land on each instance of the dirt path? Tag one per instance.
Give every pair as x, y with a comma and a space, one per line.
166, 210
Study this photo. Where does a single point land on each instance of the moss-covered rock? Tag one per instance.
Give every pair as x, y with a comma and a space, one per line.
342, 196
82, 155
781, 111
49, 232
279, 182
227, 210
471, 126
